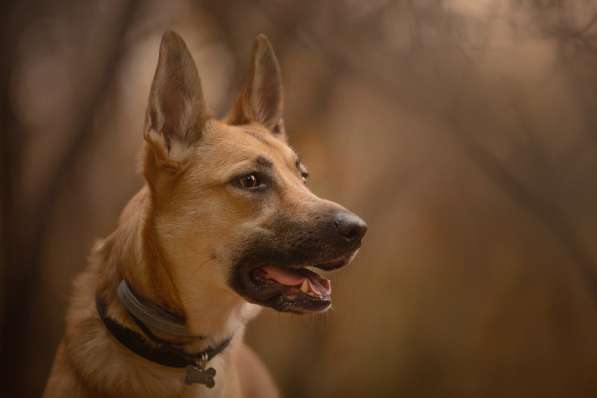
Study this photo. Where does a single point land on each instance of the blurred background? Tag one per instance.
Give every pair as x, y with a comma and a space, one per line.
463, 131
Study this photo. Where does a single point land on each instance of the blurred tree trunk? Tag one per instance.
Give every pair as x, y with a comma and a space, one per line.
24, 228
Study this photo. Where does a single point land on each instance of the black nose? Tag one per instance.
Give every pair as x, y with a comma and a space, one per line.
350, 226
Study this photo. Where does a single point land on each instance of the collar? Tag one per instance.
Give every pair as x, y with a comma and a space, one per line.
161, 352
150, 316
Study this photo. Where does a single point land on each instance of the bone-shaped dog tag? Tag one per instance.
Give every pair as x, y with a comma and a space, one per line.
200, 376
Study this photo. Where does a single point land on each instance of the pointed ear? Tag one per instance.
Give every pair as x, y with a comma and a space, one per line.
176, 112
261, 98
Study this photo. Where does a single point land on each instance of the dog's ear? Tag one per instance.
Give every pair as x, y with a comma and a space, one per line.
261, 98
176, 112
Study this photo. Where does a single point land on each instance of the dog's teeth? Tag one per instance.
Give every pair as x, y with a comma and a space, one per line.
305, 287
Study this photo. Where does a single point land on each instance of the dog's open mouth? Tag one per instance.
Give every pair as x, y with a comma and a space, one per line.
289, 289
299, 286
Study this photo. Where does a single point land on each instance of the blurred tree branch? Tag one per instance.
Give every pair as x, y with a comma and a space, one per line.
548, 214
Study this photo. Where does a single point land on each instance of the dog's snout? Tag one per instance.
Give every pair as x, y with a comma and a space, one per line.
350, 226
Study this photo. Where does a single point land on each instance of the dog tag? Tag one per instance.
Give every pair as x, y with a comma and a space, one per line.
200, 376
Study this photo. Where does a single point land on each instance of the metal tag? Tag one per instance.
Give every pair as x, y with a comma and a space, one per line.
200, 376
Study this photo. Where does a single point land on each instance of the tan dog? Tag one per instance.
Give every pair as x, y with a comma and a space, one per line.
225, 224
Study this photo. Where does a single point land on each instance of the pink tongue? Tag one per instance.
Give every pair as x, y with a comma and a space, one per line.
289, 278
284, 277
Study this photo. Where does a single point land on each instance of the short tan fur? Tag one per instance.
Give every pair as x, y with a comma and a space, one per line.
184, 236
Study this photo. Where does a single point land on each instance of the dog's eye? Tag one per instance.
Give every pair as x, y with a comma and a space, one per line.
250, 182
304, 172
305, 175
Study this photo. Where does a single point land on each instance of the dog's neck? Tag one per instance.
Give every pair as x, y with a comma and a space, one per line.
135, 252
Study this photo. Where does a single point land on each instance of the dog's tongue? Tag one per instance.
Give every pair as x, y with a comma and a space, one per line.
288, 277
283, 276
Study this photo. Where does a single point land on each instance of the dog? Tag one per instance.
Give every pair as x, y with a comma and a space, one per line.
223, 226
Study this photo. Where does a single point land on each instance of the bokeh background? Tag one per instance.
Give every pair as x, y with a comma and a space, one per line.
463, 131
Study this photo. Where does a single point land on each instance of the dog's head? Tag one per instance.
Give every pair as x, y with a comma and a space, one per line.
230, 204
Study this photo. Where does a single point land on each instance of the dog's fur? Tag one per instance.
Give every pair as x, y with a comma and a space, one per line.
181, 237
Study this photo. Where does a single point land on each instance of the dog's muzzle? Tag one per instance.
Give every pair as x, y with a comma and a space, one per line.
278, 270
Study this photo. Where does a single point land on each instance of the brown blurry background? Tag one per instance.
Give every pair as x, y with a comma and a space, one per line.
463, 131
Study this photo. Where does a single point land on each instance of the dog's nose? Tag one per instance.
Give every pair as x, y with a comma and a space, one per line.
350, 226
